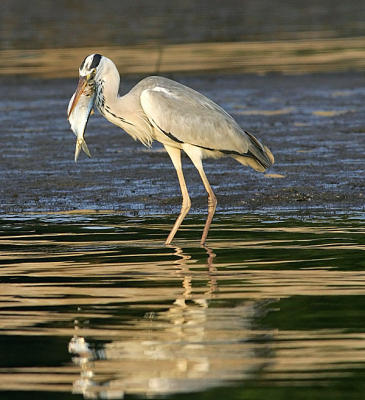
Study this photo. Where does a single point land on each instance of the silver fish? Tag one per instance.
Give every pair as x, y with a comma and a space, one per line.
79, 117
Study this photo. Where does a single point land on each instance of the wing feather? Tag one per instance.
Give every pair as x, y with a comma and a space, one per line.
192, 118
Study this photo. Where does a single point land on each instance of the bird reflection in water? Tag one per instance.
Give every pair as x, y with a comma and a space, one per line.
83, 357
189, 347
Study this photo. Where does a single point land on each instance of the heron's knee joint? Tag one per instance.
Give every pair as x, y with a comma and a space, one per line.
186, 204
185, 208
212, 201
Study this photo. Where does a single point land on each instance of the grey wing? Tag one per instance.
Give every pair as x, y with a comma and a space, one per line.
189, 117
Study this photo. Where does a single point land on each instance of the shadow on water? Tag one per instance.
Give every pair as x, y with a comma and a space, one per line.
98, 307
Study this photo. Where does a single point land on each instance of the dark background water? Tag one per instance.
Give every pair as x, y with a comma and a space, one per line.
66, 23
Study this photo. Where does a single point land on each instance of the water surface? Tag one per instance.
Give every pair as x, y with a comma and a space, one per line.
95, 306
43, 38
65, 24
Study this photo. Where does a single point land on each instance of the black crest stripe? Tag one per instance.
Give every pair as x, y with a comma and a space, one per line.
96, 60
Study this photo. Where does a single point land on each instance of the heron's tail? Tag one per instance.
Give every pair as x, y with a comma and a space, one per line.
258, 156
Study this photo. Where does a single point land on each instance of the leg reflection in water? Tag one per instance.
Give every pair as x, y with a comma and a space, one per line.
193, 338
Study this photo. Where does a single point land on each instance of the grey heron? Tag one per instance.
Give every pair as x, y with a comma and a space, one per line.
175, 115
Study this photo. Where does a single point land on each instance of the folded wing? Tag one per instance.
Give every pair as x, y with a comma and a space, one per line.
186, 116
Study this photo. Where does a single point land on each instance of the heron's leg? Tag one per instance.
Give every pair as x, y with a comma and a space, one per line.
212, 204
195, 156
175, 155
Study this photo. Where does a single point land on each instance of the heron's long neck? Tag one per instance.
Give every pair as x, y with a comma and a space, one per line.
122, 111
115, 108
107, 92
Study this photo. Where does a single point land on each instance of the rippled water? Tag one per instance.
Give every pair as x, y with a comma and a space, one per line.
94, 306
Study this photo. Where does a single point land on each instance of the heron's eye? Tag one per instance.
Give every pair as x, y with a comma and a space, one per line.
92, 74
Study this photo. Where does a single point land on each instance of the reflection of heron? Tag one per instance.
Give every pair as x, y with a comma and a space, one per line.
175, 115
191, 343
182, 264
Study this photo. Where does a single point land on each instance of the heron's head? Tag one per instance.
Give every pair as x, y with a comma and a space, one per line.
90, 66
91, 72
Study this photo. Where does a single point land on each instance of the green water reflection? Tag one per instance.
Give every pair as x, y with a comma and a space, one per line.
94, 306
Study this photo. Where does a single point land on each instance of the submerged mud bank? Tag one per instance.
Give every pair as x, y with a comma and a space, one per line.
314, 125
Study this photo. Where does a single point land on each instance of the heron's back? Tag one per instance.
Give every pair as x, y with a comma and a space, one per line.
190, 117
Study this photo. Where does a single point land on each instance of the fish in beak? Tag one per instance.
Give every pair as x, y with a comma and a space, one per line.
79, 110
79, 91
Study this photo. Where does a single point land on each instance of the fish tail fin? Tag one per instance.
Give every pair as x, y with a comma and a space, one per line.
81, 144
85, 148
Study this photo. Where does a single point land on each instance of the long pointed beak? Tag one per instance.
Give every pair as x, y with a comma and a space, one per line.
79, 90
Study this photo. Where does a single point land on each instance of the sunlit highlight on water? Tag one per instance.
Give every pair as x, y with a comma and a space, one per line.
114, 312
